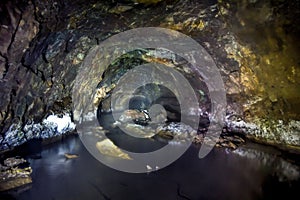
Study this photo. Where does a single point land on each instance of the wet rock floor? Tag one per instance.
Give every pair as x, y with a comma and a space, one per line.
249, 172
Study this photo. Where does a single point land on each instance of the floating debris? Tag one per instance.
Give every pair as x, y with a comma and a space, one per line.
71, 156
149, 168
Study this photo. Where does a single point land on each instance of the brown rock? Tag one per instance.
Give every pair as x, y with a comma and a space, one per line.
71, 156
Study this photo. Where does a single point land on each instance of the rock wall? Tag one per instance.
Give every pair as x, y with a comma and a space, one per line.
254, 44
265, 45
36, 73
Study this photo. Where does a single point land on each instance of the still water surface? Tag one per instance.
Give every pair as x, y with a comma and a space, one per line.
223, 174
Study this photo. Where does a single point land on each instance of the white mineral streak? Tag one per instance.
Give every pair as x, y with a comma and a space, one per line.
63, 123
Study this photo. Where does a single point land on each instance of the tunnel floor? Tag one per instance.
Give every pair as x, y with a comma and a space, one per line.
223, 174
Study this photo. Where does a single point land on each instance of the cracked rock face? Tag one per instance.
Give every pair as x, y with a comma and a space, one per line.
43, 46
14, 172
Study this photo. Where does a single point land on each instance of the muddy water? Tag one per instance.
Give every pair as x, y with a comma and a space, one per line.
223, 174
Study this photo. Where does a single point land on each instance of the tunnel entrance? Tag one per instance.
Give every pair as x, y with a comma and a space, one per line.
153, 111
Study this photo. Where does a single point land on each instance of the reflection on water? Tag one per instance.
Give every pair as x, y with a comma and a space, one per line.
55, 160
221, 175
285, 170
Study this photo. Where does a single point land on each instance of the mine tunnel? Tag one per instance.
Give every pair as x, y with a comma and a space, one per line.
149, 99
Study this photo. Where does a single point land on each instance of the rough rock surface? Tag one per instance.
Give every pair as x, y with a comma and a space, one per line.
14, 172
44, 43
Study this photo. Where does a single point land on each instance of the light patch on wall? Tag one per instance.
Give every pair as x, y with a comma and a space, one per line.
64, 123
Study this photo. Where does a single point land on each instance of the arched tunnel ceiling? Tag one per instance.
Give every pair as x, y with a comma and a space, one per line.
254, 44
